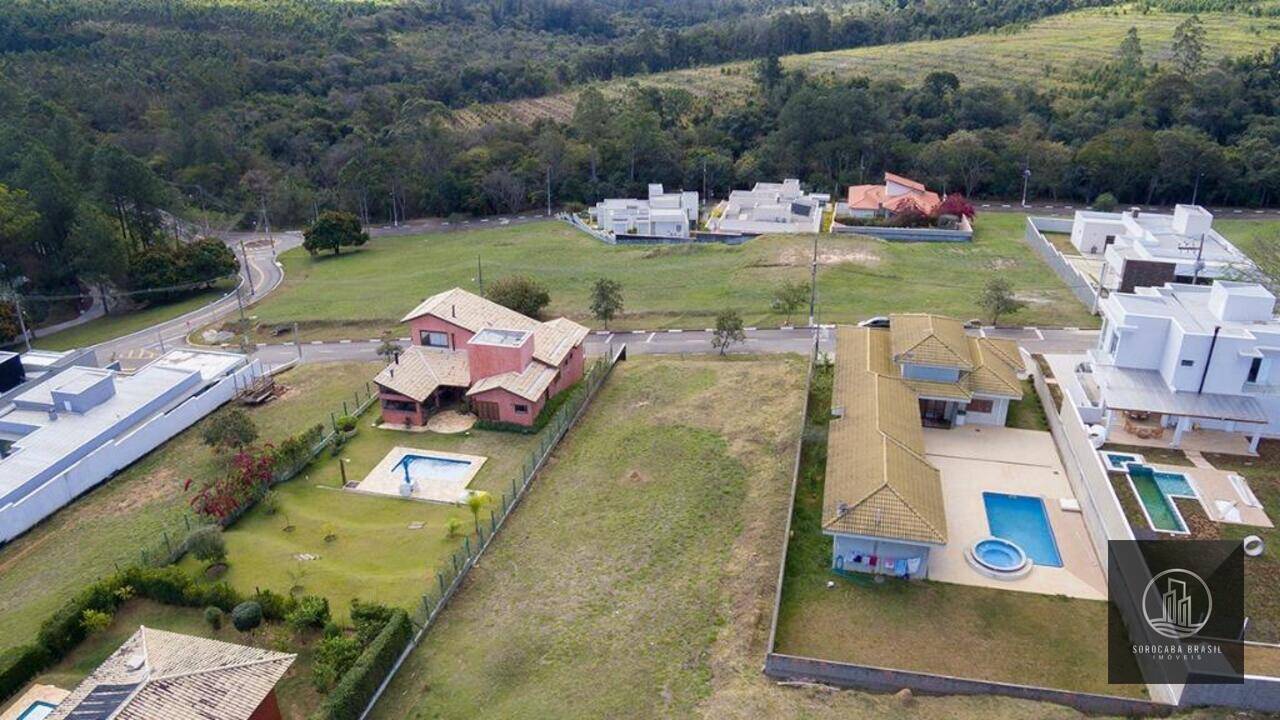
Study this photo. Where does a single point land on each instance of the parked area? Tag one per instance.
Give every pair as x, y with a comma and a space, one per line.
136, 508
323, 539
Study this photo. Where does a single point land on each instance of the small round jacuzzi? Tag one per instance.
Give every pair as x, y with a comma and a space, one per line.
998, 558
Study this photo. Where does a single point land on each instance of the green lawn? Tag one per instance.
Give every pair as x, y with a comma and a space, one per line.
359, 294
120, 324
1046, 53
1027, 413
929, 626
375, 556
45, 566
297, 696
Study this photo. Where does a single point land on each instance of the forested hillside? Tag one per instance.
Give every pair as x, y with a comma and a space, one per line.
112, 111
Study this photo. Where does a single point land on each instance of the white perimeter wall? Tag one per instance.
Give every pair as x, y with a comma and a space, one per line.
115, 455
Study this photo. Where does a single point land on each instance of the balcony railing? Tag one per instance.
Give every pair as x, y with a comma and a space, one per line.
1256, 388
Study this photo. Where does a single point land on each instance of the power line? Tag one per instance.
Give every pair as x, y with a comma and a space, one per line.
128, 293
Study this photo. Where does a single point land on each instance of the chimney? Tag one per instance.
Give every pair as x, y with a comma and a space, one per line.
395, 357
1133, 212
53, 414
453, 310
393, 373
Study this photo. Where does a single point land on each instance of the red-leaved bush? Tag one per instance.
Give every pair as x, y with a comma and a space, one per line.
955, 204
250, 475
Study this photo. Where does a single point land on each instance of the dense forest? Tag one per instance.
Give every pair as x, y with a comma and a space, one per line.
116, 113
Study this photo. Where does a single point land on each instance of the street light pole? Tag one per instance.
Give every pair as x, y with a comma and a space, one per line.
22, 324
1026, 176
248, 269
1195, 191
813, 282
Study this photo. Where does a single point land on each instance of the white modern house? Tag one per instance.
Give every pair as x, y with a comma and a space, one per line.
662, 214
63, 436
1181, 358
1142, 249
771, 208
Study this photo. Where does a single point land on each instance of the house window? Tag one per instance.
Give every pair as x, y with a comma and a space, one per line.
434, 339
980, 405
1255, 369
399, 406
1115, 341
522, 409
1188, 363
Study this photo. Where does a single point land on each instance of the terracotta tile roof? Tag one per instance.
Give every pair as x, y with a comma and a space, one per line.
529, 383
877, 482
926, 203
157, 674
866, 197
899, 179
551, 340
993, 372
925, 339
421, 370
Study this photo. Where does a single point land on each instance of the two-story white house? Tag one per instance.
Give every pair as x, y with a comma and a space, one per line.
1141, 249
662, 214
1188, 357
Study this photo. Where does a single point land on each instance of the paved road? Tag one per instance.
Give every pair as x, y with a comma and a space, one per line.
1067, 209
1036, 340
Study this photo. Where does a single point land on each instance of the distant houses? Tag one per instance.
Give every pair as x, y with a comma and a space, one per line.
662, 214
770, 208
469, 350
1142, 249
897, 195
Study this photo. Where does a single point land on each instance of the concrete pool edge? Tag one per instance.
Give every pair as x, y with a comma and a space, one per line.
383, 481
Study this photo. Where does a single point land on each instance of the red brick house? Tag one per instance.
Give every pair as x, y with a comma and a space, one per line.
505, 365
157, 674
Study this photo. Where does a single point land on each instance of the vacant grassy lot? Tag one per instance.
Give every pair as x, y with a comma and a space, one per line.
297, 696
359, 294
121, 324
929, 626
375, 554
77, 545
1045, 53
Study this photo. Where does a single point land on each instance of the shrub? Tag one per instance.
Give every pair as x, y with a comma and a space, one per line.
334, 656
95, 621
207, 545
1106, 202
270, 502
368, 619
274, 605
246, 616
18, 665
520, 293
229, 430
213, 616
63, 630
451, 527
348, 698
346, 423
311, 611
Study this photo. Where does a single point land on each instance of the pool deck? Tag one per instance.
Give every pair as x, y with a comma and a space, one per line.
1217, 495
977, 458
384, 479
36, 693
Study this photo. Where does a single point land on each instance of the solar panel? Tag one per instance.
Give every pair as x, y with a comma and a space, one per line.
101, 702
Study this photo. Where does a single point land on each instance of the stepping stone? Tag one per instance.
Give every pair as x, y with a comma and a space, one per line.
306, 557
417, 525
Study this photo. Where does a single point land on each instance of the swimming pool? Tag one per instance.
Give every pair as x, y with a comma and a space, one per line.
38, 710
1119, 462
1155, 490
1023, 521
427, 467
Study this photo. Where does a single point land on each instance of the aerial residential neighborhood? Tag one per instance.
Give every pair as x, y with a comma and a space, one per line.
603, 359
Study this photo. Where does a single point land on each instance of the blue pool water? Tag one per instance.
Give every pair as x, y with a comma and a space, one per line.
425, 467
1118, 460
38, 710
1022, 520
1174, 484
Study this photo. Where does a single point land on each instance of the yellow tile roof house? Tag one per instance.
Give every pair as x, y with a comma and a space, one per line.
882, 500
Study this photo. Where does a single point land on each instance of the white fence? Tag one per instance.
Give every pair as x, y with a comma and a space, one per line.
115, 455
1077, 282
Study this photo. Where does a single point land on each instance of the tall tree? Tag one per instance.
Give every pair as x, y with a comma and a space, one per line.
606, 300
1130, 53
1188, 45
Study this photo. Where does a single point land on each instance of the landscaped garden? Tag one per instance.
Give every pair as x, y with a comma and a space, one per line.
927, 626
679, 286
144, 505
313, 537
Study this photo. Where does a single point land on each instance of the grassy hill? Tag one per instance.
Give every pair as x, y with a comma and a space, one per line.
1051, 51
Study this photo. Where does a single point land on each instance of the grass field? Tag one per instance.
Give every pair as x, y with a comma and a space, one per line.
357, 295
653, 599
120, 324
1047, 52
1027, 413
297, 696
45, 566
1024, 638
376, 555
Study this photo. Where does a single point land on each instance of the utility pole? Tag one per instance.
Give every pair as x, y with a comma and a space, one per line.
1195, 277
480, 274
704, 179
1195, 191
297, 343
548, 191
240, 302
248, 269
22, 324
1026, 176
813, 282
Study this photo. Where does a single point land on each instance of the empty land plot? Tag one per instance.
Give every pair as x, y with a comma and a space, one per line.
360, 294
80, 543
1047, 53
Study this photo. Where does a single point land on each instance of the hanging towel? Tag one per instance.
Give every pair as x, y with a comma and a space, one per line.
857, 559
913, 565
873, 561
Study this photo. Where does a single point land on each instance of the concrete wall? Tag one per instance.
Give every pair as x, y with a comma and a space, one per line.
119, 453
1261, 694
893, 234
875, 679
1079, 285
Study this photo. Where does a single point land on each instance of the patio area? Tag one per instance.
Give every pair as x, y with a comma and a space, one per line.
974, 460
1146, 433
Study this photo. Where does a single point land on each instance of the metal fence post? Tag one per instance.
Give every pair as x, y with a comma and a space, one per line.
440, 577
493, 523
466, 541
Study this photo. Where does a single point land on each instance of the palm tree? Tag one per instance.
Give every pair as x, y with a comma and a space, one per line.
476, 501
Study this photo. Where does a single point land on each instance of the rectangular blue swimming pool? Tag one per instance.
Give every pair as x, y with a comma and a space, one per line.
1023, 521
38, 710
427, 467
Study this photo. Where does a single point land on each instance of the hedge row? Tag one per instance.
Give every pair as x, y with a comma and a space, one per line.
62, 631
352, 693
